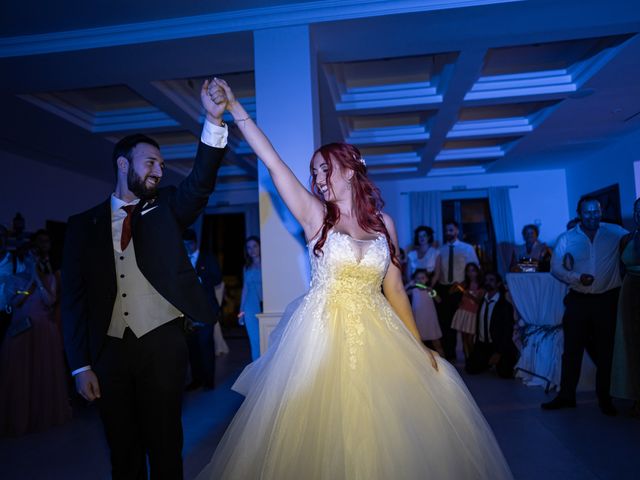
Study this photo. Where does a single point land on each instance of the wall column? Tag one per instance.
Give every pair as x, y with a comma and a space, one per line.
287, 111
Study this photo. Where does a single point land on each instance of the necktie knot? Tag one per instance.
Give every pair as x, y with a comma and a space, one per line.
128, 209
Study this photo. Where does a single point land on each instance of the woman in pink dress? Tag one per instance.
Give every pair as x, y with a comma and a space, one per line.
465, 319
33, 389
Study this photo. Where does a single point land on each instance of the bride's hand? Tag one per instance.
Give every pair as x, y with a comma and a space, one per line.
432, 357
231, 98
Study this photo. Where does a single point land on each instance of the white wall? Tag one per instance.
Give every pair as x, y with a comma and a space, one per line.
42, 192
538, 195
605, 167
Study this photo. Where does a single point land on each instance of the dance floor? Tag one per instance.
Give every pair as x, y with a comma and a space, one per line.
580, 444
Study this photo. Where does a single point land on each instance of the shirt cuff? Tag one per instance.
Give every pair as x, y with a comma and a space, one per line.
213, 135
80, 370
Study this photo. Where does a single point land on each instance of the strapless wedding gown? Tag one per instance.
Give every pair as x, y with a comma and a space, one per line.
347, 392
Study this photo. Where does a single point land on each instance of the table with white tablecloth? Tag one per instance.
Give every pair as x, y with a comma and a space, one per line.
539, 300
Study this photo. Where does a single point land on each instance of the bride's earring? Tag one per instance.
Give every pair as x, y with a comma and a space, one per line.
349, 185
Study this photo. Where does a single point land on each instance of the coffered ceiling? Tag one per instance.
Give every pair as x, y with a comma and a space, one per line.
441, 88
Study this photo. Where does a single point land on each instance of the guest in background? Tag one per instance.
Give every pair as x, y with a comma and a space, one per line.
404, 267
424, 255
454, 256
533, 252
33, 388
494, 342
573, 222
424, 311
200, 338
587, 259
251, 302
465, 319
625, 374
10, 266
6, 270
18, 237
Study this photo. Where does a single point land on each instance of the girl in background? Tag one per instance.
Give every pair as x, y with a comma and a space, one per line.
465, 318
422, 298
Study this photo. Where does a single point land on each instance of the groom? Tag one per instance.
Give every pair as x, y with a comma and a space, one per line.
127, 283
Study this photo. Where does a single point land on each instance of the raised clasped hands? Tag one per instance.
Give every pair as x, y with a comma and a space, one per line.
233, 105
214, 100
228, 93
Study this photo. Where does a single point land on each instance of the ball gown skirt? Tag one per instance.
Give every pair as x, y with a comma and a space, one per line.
347, 392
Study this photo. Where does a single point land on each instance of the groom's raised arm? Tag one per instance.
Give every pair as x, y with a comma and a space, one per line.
192, 194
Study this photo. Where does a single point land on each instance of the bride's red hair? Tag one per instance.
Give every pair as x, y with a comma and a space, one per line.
366, 195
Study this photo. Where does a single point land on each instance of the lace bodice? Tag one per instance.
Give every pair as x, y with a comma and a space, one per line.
349, 266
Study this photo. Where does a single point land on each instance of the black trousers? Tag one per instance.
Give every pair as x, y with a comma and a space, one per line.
141, 383
202, 357
446, 309
478, 361
589, 323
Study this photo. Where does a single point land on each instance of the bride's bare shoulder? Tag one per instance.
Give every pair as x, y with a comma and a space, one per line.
388, 221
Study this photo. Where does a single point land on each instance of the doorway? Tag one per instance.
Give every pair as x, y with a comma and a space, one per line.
476, 227
224, 235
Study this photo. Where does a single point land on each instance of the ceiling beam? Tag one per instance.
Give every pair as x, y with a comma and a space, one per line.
467, 69
156, 97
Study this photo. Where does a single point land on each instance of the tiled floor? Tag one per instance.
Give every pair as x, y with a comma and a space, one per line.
579, 444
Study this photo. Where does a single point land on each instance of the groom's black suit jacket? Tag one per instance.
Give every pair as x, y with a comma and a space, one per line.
88, 272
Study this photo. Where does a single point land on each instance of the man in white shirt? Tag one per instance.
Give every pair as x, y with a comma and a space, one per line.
127, 285
454, 256
587, 259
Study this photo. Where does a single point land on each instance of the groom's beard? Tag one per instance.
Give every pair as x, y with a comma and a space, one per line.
137, 186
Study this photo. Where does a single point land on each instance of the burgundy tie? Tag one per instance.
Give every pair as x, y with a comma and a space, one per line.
125, 237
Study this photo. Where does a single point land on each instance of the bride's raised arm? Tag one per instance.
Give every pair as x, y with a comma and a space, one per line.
306, 208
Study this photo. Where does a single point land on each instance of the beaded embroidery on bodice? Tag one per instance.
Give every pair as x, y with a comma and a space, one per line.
348, 265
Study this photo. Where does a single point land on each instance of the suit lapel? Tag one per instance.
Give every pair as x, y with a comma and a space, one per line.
103, 244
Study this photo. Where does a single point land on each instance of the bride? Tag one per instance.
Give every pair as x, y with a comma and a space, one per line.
348, 391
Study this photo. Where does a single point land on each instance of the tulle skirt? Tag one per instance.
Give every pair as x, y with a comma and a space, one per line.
346, 392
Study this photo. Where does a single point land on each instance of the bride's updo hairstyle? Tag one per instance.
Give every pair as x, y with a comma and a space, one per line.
366, 195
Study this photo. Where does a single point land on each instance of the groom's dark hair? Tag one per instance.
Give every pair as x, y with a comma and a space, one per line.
125, 145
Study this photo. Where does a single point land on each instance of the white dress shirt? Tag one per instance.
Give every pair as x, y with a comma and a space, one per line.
193, 258
463, 253
428, 261
489, 303
575, 255
212, 135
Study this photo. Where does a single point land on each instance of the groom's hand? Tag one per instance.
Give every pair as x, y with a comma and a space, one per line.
213, 100
87, 385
